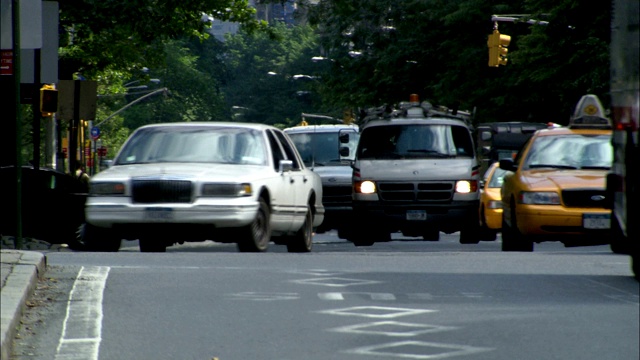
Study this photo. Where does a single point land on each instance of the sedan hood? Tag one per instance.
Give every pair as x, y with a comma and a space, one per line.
219, 172
334, 175
564, 179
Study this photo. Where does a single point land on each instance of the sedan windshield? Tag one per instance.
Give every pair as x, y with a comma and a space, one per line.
227, 145
570, 152
321, 148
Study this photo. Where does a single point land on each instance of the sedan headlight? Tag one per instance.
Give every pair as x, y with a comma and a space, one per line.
226, 190
365, 187
539, 198
106, 188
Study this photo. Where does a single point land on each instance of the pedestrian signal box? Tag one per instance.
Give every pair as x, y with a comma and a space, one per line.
48, 100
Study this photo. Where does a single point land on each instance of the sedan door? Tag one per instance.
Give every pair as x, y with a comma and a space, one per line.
283, 191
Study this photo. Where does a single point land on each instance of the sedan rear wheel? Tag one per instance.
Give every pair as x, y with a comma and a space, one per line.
93, 238
255, 237
302, 241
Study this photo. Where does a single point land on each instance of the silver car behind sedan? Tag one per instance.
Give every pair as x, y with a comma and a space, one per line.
195, 181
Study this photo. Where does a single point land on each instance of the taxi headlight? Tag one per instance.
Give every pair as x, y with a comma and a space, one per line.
106, 188
495, 204
226, 190
466, 186
539, 198
365, 187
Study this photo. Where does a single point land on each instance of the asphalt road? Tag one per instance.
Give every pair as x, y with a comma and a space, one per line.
404, 299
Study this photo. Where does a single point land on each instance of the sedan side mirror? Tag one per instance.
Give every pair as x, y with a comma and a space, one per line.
285, 165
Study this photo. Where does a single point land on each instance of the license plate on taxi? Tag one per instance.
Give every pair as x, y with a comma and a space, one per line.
158, 214
416, 215
596, 221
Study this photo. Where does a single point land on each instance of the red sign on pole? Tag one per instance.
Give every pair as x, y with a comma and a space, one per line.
6, 62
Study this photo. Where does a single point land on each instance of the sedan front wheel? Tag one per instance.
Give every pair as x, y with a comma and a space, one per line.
255, 237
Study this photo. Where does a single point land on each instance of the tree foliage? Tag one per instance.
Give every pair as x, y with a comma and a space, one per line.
383, 50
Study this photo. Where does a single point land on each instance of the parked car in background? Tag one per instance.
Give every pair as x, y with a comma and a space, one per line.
52, 205
320, 147
555, 188
227, 182
491, 202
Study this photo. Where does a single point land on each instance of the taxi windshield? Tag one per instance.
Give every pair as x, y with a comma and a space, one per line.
575, 151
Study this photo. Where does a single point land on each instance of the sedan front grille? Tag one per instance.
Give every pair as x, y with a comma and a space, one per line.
336, 194
161, 191
420, 192
584, 198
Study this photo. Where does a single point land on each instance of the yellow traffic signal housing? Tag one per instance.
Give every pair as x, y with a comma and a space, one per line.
497, 44
48, 100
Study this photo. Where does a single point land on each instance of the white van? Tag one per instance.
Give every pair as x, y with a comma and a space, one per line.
416, 172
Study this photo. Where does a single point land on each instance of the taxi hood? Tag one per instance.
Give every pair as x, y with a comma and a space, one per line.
564, 179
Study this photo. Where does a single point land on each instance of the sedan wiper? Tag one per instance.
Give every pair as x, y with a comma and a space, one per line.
596, 167
555, 166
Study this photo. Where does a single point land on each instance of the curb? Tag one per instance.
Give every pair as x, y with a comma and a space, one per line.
24, 268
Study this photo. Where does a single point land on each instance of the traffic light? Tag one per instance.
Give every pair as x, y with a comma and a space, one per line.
48, 100
497, 44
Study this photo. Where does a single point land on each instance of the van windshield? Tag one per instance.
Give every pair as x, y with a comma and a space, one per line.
415, 141
322, 148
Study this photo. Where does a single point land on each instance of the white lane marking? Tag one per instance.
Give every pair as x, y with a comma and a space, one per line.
335, 282
263, 296
331, 296
376, 311
82, 328
340, 296
449, 350
392, 328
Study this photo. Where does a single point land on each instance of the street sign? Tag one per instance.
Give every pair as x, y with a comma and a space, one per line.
95, 133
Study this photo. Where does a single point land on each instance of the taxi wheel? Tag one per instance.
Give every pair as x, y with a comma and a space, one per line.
512, 239
486, 234
302, 241
255, 237
618, 243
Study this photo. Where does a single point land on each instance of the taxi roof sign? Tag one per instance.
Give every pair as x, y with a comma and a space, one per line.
589, 113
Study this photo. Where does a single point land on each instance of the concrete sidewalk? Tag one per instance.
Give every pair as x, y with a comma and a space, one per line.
20, 272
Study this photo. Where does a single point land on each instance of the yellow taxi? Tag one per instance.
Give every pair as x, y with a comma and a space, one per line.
555, 188
490, 211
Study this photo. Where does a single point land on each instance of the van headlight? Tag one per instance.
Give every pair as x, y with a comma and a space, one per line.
466, 186
365, 187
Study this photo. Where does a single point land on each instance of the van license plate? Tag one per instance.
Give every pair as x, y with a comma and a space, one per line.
596, 221
158, 214
418, 215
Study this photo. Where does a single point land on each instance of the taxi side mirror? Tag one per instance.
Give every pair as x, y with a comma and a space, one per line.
508, 165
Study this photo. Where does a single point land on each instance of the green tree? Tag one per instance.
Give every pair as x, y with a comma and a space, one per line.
260, 85
383, 50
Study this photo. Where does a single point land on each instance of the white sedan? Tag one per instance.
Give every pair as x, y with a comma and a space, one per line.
195, 181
